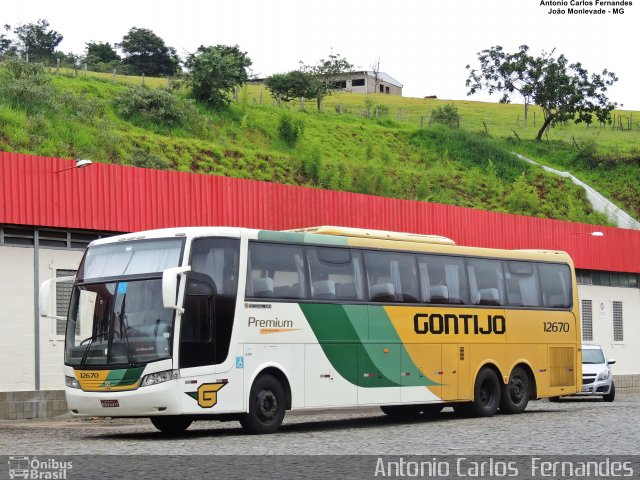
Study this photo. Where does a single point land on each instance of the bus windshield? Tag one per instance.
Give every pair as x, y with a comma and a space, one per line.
116, 316
118, 323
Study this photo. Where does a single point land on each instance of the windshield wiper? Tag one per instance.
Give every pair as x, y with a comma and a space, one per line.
86, 350
124, 325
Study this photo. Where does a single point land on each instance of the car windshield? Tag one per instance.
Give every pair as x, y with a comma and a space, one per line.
592, 356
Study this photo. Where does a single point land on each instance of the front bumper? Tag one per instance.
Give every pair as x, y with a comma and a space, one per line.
603, 387
161, 399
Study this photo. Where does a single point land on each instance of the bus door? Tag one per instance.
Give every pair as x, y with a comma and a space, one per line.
206, 325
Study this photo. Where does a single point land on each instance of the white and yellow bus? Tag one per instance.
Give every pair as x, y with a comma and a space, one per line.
227, 323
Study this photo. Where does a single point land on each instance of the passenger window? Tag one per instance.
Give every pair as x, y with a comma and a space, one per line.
392, 277
442, 279
555, 281
522, 284
335, 273
486, 282
275, 271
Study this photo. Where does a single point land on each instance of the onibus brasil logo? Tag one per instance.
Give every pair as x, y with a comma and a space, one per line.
34, 468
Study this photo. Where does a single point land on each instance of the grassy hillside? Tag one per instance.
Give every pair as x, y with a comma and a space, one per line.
340, 148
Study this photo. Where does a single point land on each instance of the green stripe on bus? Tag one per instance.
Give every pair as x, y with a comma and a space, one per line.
293, 237
125, 376
343, 332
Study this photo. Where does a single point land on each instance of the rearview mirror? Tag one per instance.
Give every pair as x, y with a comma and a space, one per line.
199, 284
611, 361
47, 297
170, 287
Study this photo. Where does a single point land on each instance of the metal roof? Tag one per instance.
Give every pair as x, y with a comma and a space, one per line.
48, 192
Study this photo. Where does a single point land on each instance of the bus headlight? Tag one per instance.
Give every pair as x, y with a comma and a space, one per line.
603, 376
160, 377
71, 382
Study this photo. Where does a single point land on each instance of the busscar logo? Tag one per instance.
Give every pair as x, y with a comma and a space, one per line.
48, 469
450, 323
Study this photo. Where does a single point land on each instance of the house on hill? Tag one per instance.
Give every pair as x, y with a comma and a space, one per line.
368, 82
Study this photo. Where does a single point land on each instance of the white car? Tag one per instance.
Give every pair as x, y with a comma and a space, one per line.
597, 378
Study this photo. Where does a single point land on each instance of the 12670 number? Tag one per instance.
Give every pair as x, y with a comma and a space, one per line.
556, 327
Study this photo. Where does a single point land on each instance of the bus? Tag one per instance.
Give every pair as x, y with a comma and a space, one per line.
218, 323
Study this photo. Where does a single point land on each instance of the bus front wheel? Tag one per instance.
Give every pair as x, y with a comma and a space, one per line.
173, 425
267, 403
514, 396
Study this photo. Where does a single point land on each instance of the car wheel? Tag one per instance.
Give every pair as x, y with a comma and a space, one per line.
267, 404
514, 396
610, 397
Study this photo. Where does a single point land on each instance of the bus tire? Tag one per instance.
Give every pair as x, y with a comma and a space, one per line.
610, 397
267, 404
486, 394
171, 425
514, 396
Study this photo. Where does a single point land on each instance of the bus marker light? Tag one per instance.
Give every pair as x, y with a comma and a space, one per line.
190, 382
386, 350
222, 380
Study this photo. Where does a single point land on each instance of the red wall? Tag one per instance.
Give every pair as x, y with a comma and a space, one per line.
40, 191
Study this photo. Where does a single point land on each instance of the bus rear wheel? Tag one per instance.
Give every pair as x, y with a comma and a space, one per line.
486, 396
514, 396
171, 425
267, 404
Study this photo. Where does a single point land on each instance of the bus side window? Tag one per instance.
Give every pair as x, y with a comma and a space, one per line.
522, 284
335, 273
275, 271
555, 280
392, 277
442, 279
486, 282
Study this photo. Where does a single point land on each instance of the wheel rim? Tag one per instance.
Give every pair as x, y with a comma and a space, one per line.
487, 393
267, 405
516, 390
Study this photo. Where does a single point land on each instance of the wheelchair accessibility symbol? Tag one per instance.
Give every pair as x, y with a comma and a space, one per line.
239, 362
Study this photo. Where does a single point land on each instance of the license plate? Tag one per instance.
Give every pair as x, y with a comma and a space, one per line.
109, 403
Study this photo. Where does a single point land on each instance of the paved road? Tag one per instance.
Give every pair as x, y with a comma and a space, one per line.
577, 426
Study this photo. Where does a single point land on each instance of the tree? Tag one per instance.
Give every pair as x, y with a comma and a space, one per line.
145, 52
6, 44
324, 76
214, 72
287, 86
99, 52
565, 91
37, 40
375, 69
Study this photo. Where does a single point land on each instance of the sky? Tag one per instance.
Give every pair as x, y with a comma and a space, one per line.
424, 44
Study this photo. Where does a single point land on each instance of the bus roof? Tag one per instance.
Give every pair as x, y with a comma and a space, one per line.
377, 234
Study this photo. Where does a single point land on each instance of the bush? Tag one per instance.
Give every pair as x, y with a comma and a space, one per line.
26, 86
143, 105
290, 129
587, 156
446, 115
523, 197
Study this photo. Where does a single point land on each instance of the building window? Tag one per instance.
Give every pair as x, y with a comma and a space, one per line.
607, 279
63, 296
618, 334
386, 89
587, 320
47, 237
357, 82
381, 88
